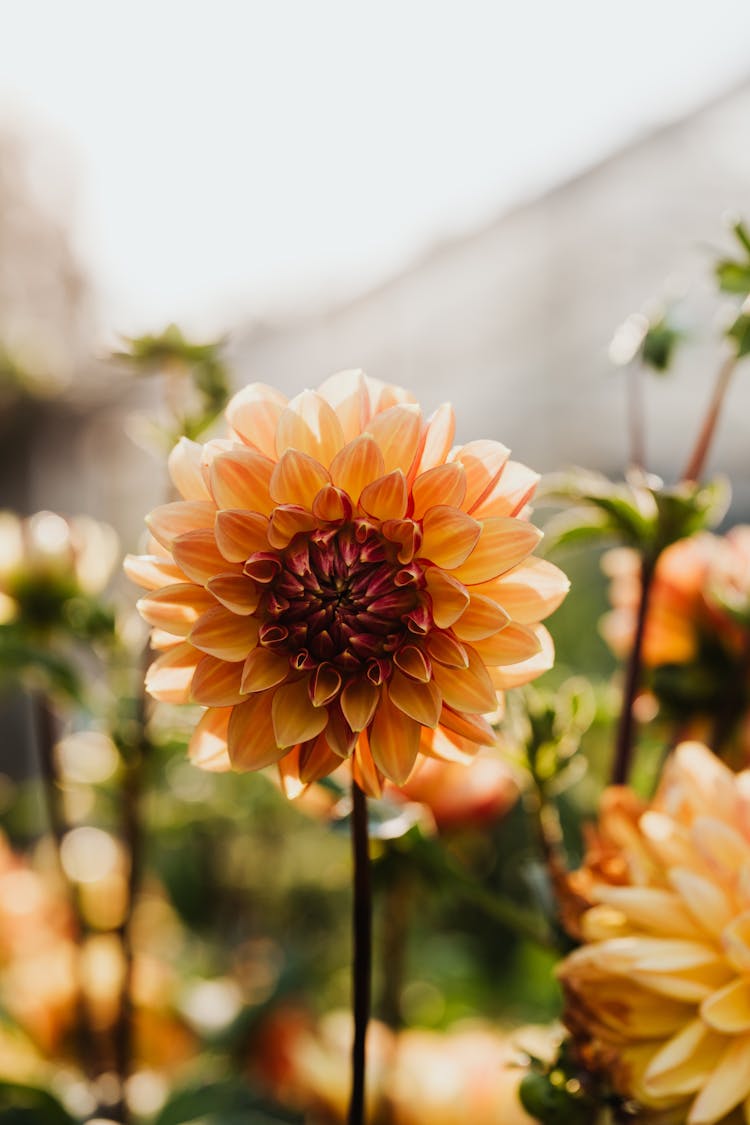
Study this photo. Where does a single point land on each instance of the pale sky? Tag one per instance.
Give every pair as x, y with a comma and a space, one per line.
232, 157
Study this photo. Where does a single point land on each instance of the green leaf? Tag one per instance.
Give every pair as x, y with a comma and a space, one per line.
28, 1105
224, 1103
740, 333
733, 277
660, 344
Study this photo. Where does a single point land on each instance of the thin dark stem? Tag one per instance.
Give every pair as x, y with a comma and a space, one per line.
698, 457
626, 727
362, 969
636, 417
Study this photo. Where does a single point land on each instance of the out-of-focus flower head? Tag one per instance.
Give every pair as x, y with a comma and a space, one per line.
468, 1073
339, 583
658, 997
461, 796
49, 565
697, 638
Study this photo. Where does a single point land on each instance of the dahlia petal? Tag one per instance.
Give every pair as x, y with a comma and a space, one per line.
448, 536
406, 534
332, 504
175, 608
467, 689
286, 522
292, 785
503, 543
240, 534
339, 734
309, 425
241, 479
483, 618
358, 464
725, 848
736, 942
483, 462
151, 571
471, 728
252, 742
347, 393
727, 1086
196, 552
529, 592
216, 683
448, 746
513, 644
421, 701
170, 520
438, 438
185, 472
263, 670
236, 592
414, 663
443, 485
160, 640
650, 908
685, 1061
385, 498
170, 676
509, 494
448, 596
223, 634
447, 650
394, 740
728, 1010
297, 479
208, 744
317, 760
295, 719
397, 432
253, 413
514, 675
364, 771
358, 702
706, 902
325, 684
385, 395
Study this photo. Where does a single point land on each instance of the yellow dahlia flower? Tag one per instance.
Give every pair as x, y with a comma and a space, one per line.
337, 582
659, 994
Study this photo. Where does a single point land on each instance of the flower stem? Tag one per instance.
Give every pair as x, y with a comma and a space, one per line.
636, 417
696, 464
362, 967
626, 727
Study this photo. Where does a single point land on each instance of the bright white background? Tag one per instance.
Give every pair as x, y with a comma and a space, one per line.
231, 156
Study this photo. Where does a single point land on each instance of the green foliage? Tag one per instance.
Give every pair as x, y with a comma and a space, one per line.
223, 1103
733, 274
28, 1105
660, 344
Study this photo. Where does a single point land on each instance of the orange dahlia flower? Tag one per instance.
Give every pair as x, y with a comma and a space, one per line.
338, 583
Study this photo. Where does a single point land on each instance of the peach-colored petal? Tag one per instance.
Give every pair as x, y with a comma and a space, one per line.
217, 682
253, 413
728, 1009
386, 498
263, 670
170, 676
438, 438
449, 597
332, 504
406, 534
185, 470
295, 718
358, 464
510, 493
685, 1061
708, 904
449, 746
317, 760
530, 591
466, 689
252, 742
414, 663
325, 684
309, 425
175, 608
473, 728
292, 785
297, 479
358, 701
444, 648
449, 536
364, 771
397, 433
340, 736
347, 392
240, 534
241, 479
236, 592
421, 701
483, 462
170, 520
394, 740
443, 485
200, 558
502, 544
287, 521
511, 645
224, 635
482, 618
728, 1085
514, 675
208, 743
151, 571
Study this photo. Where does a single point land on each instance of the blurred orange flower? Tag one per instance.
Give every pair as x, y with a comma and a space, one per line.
462, 796
659, 994
338, 583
